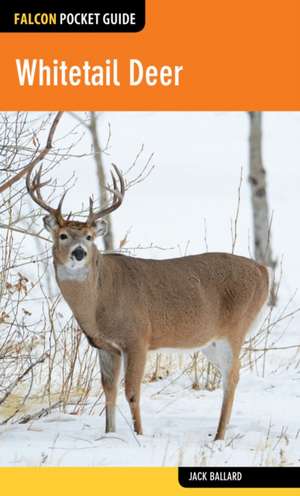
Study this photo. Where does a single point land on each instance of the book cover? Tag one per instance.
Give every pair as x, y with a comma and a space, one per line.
149, 313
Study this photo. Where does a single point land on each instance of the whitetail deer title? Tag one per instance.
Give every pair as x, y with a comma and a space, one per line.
36, 72
127, 306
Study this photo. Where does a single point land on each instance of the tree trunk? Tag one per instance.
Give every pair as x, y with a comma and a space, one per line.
259, 199
108, 239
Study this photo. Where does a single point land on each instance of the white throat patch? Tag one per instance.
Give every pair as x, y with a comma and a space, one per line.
72, 273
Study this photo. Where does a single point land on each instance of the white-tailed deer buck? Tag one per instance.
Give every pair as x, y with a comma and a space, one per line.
127, 306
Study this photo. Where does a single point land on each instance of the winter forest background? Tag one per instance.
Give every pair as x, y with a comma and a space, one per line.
195, 182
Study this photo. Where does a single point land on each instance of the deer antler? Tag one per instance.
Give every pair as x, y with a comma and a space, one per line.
118, 196
34, 189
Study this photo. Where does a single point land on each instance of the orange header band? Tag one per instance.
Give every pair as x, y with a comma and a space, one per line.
235, 55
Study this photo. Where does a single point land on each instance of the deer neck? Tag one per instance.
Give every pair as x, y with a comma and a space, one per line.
79, 288
82, 296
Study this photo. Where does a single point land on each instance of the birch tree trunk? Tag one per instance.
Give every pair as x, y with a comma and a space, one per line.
108, 239
259, 199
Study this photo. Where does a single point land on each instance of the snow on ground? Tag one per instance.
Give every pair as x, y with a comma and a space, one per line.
179, 423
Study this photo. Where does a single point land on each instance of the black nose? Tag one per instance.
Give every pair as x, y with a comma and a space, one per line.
78, 253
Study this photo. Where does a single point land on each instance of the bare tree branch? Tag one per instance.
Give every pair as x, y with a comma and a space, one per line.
19, 379
37, 159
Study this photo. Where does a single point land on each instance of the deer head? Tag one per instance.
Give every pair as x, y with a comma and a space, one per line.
74, 240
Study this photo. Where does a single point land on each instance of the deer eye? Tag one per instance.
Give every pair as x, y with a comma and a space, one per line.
63, 236
89, 237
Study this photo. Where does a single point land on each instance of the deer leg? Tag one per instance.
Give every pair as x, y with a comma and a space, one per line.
230, 381
110, 371
221, 354
135, 365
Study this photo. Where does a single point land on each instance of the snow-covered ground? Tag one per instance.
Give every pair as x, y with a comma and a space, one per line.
190, 195
179, 423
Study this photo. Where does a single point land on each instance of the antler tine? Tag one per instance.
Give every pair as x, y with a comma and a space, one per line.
115, 186
58, 210
34, 189
118, 196
37, 185
116, 193
91, 206
90, 218
121, 179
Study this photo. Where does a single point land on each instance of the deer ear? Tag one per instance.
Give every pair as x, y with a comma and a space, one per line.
101, 227
50, 223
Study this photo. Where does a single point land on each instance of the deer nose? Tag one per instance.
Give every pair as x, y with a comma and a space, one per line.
79, 253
